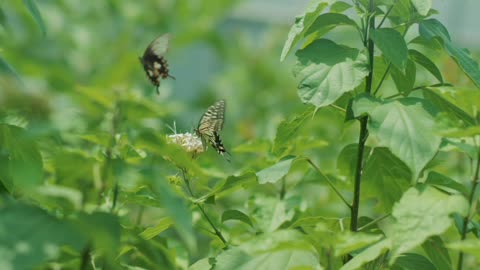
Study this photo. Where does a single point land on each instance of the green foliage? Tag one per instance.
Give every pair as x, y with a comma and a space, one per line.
372, 164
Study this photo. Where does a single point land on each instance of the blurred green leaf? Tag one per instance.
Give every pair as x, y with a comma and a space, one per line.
422, 6
327, 70
5, 68
440, 180
287, 130
276, 172
302, 23
405, 127
404, 81
236, 215
161, 226
428, 64
444, 105
21, 165
392, 45
339, 7
470, 246
433, 28
412, 261
33, 9
326, 22
349, 242
270, 214
367, 255
279, 250
438, 253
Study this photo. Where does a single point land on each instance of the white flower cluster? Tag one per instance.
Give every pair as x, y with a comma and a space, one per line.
189, 141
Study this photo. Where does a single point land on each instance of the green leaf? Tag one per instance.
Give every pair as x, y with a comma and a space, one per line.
33, 9
339, 7
454, 112
349, 242
470, 246
161, 226
383, 171
405, 127
404, 81
327, 70
441, 180
326, 22
271, 213
233, 183
433, 28
287, 130
279, 250
428, 64
21, 165
422, 6
236, 215
5, 68
438, 253
302, 23
29, 236
276, 172
177, 211
392, 45
412, 261
202, 264
367, 255
347, 159
419, 215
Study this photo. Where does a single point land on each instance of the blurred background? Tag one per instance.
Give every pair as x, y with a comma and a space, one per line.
69, 76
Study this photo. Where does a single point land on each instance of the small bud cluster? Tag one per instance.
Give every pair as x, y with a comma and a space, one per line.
189, 141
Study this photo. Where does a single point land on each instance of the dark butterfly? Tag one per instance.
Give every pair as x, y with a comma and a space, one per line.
209, 126
154, 63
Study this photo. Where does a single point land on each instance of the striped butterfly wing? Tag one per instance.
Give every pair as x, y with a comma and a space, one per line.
153, 61
210, 124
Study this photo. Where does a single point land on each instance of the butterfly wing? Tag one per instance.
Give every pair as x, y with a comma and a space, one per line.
210, 124
153, 61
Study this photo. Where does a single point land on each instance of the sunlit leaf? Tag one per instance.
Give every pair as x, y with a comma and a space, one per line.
161, 226
367, 255
422, 6
276, 172
349, 242
326, 71
236, 215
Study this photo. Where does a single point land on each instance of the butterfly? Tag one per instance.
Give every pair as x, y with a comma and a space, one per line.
154, 63
209, 126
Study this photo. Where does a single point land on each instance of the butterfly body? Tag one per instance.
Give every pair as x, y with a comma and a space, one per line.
154, 62
209, 126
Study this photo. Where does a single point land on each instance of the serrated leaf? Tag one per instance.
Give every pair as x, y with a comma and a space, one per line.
302, 23
425, 62
236, 215
327, 70
392, 45
367, 255
421, 214
404, 81
279, 250
405, 127
276, 172
438, 253
21, 165
441, 180
33, 9
433, 28
385, 178
161, 226
412, 261
422, 6
287, 129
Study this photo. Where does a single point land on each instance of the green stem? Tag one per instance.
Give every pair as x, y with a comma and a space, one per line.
330, 183
373, 222
386, 15
466, 219
205, 215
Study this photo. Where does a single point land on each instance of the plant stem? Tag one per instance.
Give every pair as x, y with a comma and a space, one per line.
205, 215
386, 15
471, 204
373, 222
329, 182
363, 124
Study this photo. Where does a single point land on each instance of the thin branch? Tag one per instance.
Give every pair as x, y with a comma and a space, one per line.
383, 78
189, 188
330, 183
386, 15
419, 88
373, 222
338, 108
466, 219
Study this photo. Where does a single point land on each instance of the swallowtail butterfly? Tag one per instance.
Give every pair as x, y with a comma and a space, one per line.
154, 63
209, 126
